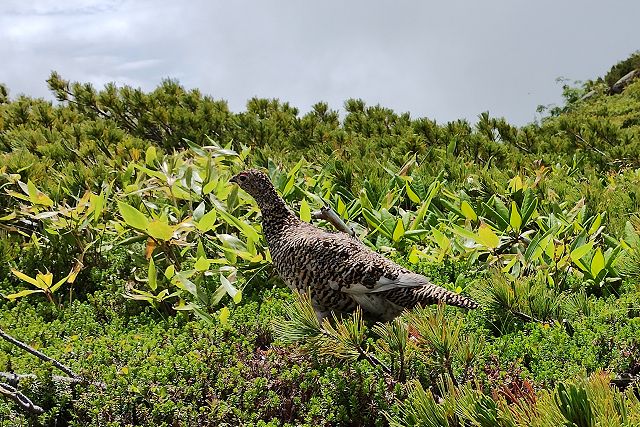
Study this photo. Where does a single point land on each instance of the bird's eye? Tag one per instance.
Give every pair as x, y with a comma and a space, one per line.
242, 178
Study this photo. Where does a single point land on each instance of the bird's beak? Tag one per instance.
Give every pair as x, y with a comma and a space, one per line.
233, 179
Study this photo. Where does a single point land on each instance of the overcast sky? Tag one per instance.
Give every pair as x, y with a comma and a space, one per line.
444, 60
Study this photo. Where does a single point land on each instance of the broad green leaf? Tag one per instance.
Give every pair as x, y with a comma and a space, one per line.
202, 264
237, 297
631, 236
229, 241
501, 223
209, 186
545, 245
416, 233
515, 220
224, 315
291, 177
433, 190
411, 194
231, 290
245, 228
596, 224
133, 217
23, 293
468, 211
581, 251
305, 211
398, 231
8, 217
374, 220
251, 247
290, 183
451, 147
152, 275
198, 212
218, 294
206, 222
388, 221
597, 263
582, 266
487, 237
550, 248
150, 172
510, 264
443, 241
501, 209
150, 155
612, 254
463, 232
579, 240
364, 200
342, 208
452, 207
131, 188
533, 248
24, 277
98, 206
414, 256
515, 184
160, 230
164, 294
44, 280
59, 283
529, 204
36, 196
17, 195
169, 272
417, 221
181, 281
179, 192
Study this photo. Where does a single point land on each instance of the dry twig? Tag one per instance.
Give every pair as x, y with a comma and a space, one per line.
328, 214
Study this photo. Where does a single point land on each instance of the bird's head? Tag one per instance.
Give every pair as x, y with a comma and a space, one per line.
254, 182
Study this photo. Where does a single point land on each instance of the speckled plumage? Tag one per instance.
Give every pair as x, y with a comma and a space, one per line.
339, 270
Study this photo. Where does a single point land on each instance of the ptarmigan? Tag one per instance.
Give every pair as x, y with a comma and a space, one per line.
339, 270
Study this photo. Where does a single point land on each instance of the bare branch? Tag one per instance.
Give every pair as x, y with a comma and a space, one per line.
14, 379
38, 354
23, 401
374, 361
328, 214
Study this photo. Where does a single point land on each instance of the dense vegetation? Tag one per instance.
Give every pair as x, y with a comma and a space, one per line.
127, 256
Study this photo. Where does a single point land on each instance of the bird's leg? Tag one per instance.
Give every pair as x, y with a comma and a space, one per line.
321, 311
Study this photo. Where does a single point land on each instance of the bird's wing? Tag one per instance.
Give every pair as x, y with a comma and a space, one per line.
356, 269
386, 283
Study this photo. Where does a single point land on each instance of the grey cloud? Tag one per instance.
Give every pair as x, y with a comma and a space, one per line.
445, 60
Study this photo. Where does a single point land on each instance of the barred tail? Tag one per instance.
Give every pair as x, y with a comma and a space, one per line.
428, 294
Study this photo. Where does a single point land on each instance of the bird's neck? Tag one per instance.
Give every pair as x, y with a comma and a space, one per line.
276, 216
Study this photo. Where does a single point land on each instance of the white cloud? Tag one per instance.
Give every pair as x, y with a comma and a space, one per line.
53, 7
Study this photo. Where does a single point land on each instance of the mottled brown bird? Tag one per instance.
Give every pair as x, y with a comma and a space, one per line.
338, 269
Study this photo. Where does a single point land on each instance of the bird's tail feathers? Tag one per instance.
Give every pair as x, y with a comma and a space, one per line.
429, 294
